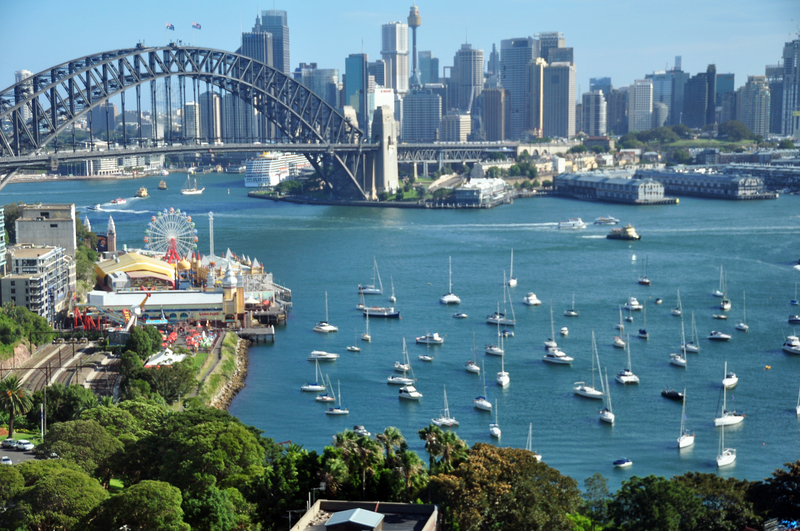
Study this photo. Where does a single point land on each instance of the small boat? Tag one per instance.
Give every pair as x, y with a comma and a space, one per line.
659, 300
471, 366
494, 428
431, 338
372, 289
644, 280
550, 343
606, 414
366, 335
381, 311
794, 319
498, 317
119, 201
716, 335
606, 220
720, 316
327, 397
531, 299
558, 357
190, 187
507, 333
743, 326
314, 386
164, 173
399, 380
353, 348
358, 429
626, 376
686, 438
623, 462
792, 345
512, 282
632, 304
725, 304
677, 359
445, 419
405, 365
95, 207
450, 297
728, 418
338, 410
323, 326
620, 326
624, 233
425, 357
729, 379
392, 297
482, 402
141, 192
795, 302
590, 391
572, 312
694, 344
718, 292
529, 444
162, 185
726, 456
643, 331
495, 350
572, 223
678, 310
503, 378
409, 392
672, 394
321, 355
460, 315
564, 331
618, 342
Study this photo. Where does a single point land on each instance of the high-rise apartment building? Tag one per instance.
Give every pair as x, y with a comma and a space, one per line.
660, 114
640, 105
428, 68
422, 116
752, 105
594, 113
695, 101
515, 54
356, 86
467, 75
494, 114
549, 40
617, 106
724, 84
104, 117
324, 82
27, 89
191, 121
774, 75
394, 50
210, 117
711, 98
790, 120
558, 100
276, 22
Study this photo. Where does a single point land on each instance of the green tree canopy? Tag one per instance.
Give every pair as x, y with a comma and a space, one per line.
171, 381
362, 455
11, 483
735, 131
146, 505
139, 342
786, 143
656, 504
724, 499
85, 442
779, 495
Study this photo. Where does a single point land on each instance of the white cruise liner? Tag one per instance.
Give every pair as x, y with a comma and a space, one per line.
270, 168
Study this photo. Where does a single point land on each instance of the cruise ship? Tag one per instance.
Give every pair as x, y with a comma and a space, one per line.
270, 168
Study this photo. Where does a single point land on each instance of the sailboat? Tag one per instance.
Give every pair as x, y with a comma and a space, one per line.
728, 417
354, 347
693, 345
725, 303
190, 187
729, 379
314, 386
572, 312
324, 326
338, 410
551, 342
500, 318
643, 331
327, 397
795, 302
445, 419
365, 336
502, 377
497, 349
644, 280
726, 456
529, 444
392, 298
798, 404
372, 289
679, 359
719, 291
482, 402
511, 280
686, 438
621, 325
626, 376
450, 297
743, 325
405, 365
606, 414
678, 310
494, 429
589, 391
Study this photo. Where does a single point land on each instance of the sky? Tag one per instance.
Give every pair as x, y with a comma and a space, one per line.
621, 39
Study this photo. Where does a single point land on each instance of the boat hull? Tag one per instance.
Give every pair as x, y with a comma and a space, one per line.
728, 420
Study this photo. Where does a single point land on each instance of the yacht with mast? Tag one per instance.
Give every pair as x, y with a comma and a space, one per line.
693, 345
551, 341
529, 444
686, 438
338, 410
482, 402
678, 310
500, 318
572, 312
511, 280
726, 456
315, 386
719, 291
496, 349
502, 377
743, 325
190, 187
327, 397
323, 326
445, 419
450, 297
728, 417
372, 289
589, 391
606, 414
644, 280
729, 379
402, 366
626, 376
494, 428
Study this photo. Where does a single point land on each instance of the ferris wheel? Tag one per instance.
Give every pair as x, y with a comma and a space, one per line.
172, 233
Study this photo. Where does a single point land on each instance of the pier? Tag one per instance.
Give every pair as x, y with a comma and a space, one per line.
258, 334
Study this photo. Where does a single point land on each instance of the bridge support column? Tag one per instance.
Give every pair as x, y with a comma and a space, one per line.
383, 164
425, 169
414, 173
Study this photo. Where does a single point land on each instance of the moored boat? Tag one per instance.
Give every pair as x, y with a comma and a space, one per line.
431, 338
162, 185
792, 345
606, 220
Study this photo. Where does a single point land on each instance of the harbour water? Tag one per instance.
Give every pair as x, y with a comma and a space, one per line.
314, 249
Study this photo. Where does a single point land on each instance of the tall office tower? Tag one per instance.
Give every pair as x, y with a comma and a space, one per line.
752, 105
414, 21
104, 117
548, 40
660, 114
428, 68
790, 113
560, 55
724, 84
640, 105
210, 117
558, 99
679, 79
774, 75
258, 45
662, 87
276, 22
239, 121
594, 113
515, 54
711, 99
534, 97
456, 127
356, 86
377, 69
27, 89
422, 116
324, 82
494, 114
727, 106
617, 106
493, 67
695, 101
191, 121
394, 51
601, 83
579, 117
467, 75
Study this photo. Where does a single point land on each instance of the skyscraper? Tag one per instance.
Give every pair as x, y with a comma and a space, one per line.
790, 120
394, 51
493, 67
356, 86
695, 99
276, 22
534, 108
594, 113
558, 100
104, 117
774, 75
377, 69
494, 114
210, 117
467, 74
600, 83
752, 105
428, 68
548, 40
258, 45
724, 84
711, 98
191, 121
617, 106
662, 87
27, 88
422, 115
640, 105
515, 54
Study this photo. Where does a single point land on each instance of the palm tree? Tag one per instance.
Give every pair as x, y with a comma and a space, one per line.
452, 449
361, 453
410, 467
432, 435
391, 438
15, 399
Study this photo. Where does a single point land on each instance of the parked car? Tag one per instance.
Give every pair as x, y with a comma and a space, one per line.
9, 443
25, 445
6, 460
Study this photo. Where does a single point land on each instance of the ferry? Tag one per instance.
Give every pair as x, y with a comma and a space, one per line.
270, 168
162, 185
606, 220
141, 192
574, 223
625, 233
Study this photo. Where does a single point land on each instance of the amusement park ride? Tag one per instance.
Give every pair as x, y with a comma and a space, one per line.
172, 233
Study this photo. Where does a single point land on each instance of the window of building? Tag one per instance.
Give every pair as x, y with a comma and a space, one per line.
54, 225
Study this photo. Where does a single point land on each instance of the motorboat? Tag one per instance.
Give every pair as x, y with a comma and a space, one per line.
358, 429
338, 410
572, 312
402, 367
628, 232
392, 297
659, 300
399, 380
141, 192
672, 394
450, 297
512, 281
792, 345
726, 456
557, 356
550, 343
164, 172
716, 335
409, 392
119, 201
632, 304
531, 299
353, 348
494, 428
626, 376
572, 223
372, 289
425, 357
564, 331
95, 207
366, 336
460, 316
794, 319
623, 462
381, 311
721, 316
431, 338
497, 349
729, 379
606, 220
686, 438
725, 304
795, 301
321, 355
728, 418
507, 333
324, 326
471, 366
445, 420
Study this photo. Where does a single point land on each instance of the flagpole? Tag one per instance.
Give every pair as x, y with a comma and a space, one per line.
192, 35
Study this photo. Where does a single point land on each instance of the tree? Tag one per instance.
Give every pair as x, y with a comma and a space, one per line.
399, 195
11, 483
155, 337
681, 156
391, 438
580, 148
216, 510
146, 505
432, 435
595, 496
140, 343
64, 402
171, 381
779, 495
453, 449
786, 143
412, 470
85, 442
682, 131
14, 399
656, 504
725, 501
735, 131
360, 453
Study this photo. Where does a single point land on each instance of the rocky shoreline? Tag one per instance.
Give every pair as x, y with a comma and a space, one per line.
236, 383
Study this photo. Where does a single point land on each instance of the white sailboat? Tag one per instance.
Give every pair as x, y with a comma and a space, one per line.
686, 438
743, 325
366, 336
725, 304
798, 404
678, 310
190, 187
315, 386
589, 391
405, 365
693, 345
503, 379
729, 379
324, 326
511, 280
445, 419
643, 331
392, 298
726, 456
482, 402
719, 291
529, 444
494, 428
606, 414
572, 312
679, 359
496, 349
626, 376
354, 347
327, 397
450, 297
728, 417
794, 302
338, 410
551, 341
500, 318
372, 289
644, 280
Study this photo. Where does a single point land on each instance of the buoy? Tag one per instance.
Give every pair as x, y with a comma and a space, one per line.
768, 367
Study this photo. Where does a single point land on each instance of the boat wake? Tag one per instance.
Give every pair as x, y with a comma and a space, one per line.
594, 237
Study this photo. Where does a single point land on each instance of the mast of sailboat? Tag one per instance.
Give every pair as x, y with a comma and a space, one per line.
552, 330
450, 275
607, 391
683, 413
594, 350
529, 444
378, 273
326, 306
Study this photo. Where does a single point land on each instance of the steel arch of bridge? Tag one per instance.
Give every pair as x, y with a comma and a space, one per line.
72, 89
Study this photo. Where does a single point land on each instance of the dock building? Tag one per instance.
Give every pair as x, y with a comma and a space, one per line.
617, 187
738, 186
482, 192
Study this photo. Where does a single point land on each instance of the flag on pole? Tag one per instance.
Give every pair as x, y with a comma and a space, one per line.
170, 26
195, 25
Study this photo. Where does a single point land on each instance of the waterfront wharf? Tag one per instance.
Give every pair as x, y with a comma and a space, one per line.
258, 334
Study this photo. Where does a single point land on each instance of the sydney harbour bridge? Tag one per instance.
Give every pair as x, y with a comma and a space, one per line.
39, 116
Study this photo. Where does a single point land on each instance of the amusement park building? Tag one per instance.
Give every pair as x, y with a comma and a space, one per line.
135, 271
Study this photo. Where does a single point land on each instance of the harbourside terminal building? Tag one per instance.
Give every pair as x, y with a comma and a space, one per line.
704, 182
616, 187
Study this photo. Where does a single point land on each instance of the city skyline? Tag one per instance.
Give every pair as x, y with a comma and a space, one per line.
732, 35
